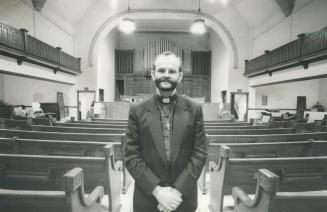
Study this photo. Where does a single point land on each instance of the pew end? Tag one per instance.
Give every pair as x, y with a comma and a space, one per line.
268, 199
217, 171
114, 178
75, 195
267, 185
72, 199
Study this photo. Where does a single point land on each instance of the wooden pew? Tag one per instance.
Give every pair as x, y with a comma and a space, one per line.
276, 124
222, 121
266, 138
66, 148
303, 127
319, 148
23, 123
110, 120
17, 145
77, 129
100, 122
267, 197
80, 137
229, 172
13, 124
71, 199
237, 127
250, 131
43, 172
92, 125
227, 124
103, 121
8, 133
255, 150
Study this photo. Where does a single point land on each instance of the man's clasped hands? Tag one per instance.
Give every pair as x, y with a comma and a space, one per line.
168, 198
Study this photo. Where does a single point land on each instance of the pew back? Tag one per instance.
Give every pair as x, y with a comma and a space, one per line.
267, 150
43, 172
8, 133
84, 125
77, 129
266, 138
268, 199
237, 127
72, 199
300, 173
249, 131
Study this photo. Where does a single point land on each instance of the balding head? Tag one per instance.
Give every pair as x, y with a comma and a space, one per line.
167, 57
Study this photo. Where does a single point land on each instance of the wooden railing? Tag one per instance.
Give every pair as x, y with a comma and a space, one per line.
308, 48
23, 47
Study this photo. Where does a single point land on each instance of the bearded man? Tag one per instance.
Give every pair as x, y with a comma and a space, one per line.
165, 148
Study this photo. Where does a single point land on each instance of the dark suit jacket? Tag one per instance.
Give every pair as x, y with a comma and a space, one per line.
145, 155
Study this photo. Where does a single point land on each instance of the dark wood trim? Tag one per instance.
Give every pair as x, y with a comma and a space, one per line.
271, 108
33, 77
291, 80
19, 45
307, 49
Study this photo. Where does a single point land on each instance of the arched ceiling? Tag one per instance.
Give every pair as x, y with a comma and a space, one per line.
254, 12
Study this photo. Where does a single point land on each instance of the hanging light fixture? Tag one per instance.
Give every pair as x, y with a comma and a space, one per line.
128, 24
198, 26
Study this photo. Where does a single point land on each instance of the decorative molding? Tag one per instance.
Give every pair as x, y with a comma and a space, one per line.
38, 4
160, 11
286, 6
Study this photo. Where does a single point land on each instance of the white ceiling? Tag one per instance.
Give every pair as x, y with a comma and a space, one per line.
70, 10
254, 12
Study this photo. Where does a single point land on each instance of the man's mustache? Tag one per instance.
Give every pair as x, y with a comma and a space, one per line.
163, 80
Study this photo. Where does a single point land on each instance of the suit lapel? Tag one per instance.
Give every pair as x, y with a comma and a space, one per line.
179, 124
154, 124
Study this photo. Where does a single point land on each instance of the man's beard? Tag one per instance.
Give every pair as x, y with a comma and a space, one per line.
172, 87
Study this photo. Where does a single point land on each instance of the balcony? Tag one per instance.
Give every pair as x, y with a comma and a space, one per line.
308, 48
18, 44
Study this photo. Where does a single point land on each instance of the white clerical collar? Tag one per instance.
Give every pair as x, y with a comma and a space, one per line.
167, 100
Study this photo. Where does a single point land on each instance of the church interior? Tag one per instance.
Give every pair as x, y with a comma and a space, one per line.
70, 70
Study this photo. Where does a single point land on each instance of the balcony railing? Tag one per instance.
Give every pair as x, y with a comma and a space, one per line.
23, 47
308, 48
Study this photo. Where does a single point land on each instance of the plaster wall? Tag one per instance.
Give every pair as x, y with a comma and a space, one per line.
1, 88
48, 28
24, 91
219, 67
280, 30
102, 11
296, 73
27, 82
9, 66
106, 67
95, 16
323, 92
284, 96
240, 32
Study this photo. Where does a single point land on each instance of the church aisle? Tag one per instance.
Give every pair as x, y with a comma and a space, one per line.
203, 200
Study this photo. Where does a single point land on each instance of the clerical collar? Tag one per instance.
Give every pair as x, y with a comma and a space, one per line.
166, 100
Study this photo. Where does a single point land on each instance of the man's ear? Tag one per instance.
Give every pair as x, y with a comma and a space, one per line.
180, 77
152, 74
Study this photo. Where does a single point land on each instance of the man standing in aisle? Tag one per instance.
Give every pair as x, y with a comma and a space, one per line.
165, 148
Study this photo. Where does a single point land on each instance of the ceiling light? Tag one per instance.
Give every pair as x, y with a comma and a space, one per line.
198, 26
127, 26
224, 2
